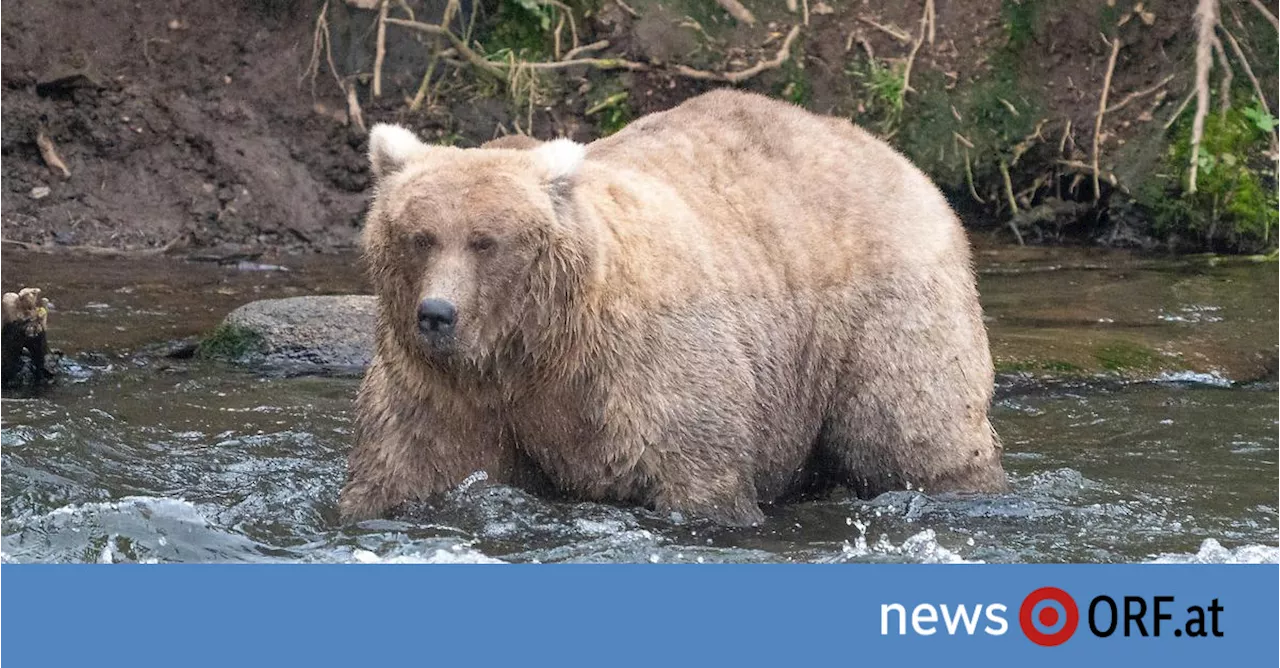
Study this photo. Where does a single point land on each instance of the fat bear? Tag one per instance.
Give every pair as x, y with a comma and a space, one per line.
729, 303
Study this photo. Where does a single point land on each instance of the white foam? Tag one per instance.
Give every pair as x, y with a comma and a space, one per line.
177, 509
1213, 378
920, 548
1212, 552
457, 554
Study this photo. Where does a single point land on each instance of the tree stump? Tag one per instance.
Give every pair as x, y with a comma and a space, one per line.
25, 318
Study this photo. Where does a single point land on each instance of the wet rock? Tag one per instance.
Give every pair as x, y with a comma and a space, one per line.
298, 333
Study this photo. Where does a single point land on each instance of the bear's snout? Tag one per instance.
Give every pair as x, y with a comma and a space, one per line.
436, 317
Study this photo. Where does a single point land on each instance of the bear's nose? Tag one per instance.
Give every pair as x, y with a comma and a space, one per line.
436, 316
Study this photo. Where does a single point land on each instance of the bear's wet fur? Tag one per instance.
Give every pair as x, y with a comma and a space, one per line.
717, 307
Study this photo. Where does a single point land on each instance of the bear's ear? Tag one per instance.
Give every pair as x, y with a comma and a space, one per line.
390, 148
559, 160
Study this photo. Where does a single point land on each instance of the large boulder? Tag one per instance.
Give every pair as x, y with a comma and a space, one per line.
324, 333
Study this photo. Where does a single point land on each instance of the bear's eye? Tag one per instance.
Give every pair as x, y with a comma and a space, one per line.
424, 240
482, 243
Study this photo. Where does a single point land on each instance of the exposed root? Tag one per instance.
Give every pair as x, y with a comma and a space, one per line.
353, 109
468, 54
1266, 12
894, 32
1102, 110
1248, 72
926, 28
784, 53
380, 51
1178, 112
739, 13
627, 8
1138, 95
1206, 16
50, 155
968, 177
321, 40
1013, 202
586, 48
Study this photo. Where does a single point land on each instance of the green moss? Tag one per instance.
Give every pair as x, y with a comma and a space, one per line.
1125, 355
229, 342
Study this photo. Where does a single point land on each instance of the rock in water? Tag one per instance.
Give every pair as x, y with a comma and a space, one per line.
323, 333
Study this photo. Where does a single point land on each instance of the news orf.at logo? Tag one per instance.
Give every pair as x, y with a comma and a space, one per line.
1048, 616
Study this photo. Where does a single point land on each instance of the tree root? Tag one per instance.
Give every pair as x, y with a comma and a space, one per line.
784, 54
1102, 110
49, 154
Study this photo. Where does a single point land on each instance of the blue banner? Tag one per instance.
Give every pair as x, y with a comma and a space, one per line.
618, 615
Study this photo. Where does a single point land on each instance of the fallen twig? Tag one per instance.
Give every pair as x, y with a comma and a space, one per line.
50, 155
1102, 110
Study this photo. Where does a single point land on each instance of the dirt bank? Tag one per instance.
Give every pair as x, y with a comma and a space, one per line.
220, 128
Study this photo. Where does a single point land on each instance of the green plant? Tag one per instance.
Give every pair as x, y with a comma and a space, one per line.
612, 112
1235, 199
1262, 119
884, 92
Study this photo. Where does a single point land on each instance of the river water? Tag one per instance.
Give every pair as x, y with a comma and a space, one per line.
133, 456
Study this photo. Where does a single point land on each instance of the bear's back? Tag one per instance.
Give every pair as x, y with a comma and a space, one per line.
762, 196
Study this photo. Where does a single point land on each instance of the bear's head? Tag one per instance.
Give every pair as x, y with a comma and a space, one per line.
469, 248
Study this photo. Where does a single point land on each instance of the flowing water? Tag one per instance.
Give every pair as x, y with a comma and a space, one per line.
134, 456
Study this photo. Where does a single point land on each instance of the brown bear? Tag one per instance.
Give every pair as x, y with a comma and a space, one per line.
725, 304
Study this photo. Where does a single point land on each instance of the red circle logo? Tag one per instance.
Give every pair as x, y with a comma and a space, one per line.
1042, 620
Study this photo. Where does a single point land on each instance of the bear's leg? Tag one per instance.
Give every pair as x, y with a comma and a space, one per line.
722, 497
909, 408
408, 449
703, 466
